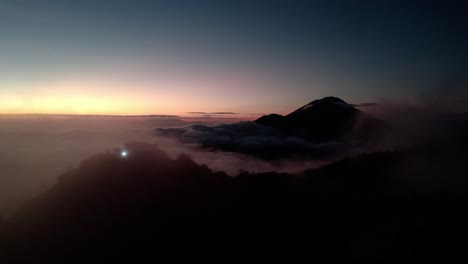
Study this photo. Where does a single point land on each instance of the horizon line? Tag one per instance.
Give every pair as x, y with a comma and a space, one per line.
236, 115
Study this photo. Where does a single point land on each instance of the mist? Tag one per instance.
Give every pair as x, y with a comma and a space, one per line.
36, 149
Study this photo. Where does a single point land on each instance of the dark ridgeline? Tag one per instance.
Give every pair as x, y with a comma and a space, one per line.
149, 205
329, 118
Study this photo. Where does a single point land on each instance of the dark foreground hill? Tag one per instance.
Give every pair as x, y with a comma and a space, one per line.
150, 206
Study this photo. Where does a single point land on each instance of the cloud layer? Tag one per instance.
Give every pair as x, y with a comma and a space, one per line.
254, 139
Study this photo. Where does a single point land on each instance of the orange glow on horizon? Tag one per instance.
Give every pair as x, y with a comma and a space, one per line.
84, 98
101, 96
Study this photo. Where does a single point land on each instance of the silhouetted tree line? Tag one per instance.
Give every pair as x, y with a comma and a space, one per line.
149, 205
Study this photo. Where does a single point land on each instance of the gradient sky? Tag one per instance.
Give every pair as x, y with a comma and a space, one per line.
176, 56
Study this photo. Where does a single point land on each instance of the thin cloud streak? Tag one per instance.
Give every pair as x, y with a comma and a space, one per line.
213, 113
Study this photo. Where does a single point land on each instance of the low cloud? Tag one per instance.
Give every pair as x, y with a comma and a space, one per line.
223, 113
35, 149
212, 113
253, 139
364, 104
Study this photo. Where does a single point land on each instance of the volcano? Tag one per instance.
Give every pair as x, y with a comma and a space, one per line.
329, 118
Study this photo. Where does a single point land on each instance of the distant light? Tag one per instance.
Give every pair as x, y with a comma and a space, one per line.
124, 154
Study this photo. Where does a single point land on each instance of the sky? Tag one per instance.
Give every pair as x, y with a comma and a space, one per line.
249, 57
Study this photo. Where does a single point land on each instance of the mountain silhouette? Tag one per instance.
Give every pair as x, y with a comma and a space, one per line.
327, 128
328, 118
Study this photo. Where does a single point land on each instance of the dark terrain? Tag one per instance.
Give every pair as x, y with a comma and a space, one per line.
372, 206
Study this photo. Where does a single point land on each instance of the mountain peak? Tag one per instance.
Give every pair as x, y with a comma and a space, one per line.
323, 119
327, 100
330, 99
325, 105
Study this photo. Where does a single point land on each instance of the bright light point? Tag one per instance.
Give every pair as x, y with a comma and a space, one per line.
124, 154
